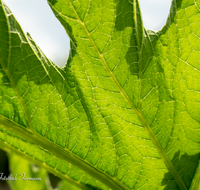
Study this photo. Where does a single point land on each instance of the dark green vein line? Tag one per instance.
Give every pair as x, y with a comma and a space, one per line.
135, 4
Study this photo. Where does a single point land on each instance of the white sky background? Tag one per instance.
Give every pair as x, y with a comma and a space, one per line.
36, 17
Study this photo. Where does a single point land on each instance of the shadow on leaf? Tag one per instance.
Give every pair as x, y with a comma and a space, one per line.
186, 166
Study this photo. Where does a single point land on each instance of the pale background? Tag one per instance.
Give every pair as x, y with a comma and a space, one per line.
36, 17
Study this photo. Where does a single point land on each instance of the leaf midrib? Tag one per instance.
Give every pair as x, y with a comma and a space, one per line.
138, 112
62, 153
9, 148
30, 134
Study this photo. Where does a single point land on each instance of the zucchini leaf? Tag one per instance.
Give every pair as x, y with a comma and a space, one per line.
124, 109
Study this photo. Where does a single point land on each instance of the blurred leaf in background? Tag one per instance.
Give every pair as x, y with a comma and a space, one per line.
29, 176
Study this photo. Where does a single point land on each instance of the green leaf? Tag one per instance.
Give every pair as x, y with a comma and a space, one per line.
26, 175
47, 160
65, 185
195, 182
124, 109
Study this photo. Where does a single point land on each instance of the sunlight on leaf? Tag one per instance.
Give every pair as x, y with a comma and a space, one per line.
124, 109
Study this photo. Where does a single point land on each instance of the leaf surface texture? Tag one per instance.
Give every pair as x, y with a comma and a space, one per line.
124, 109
